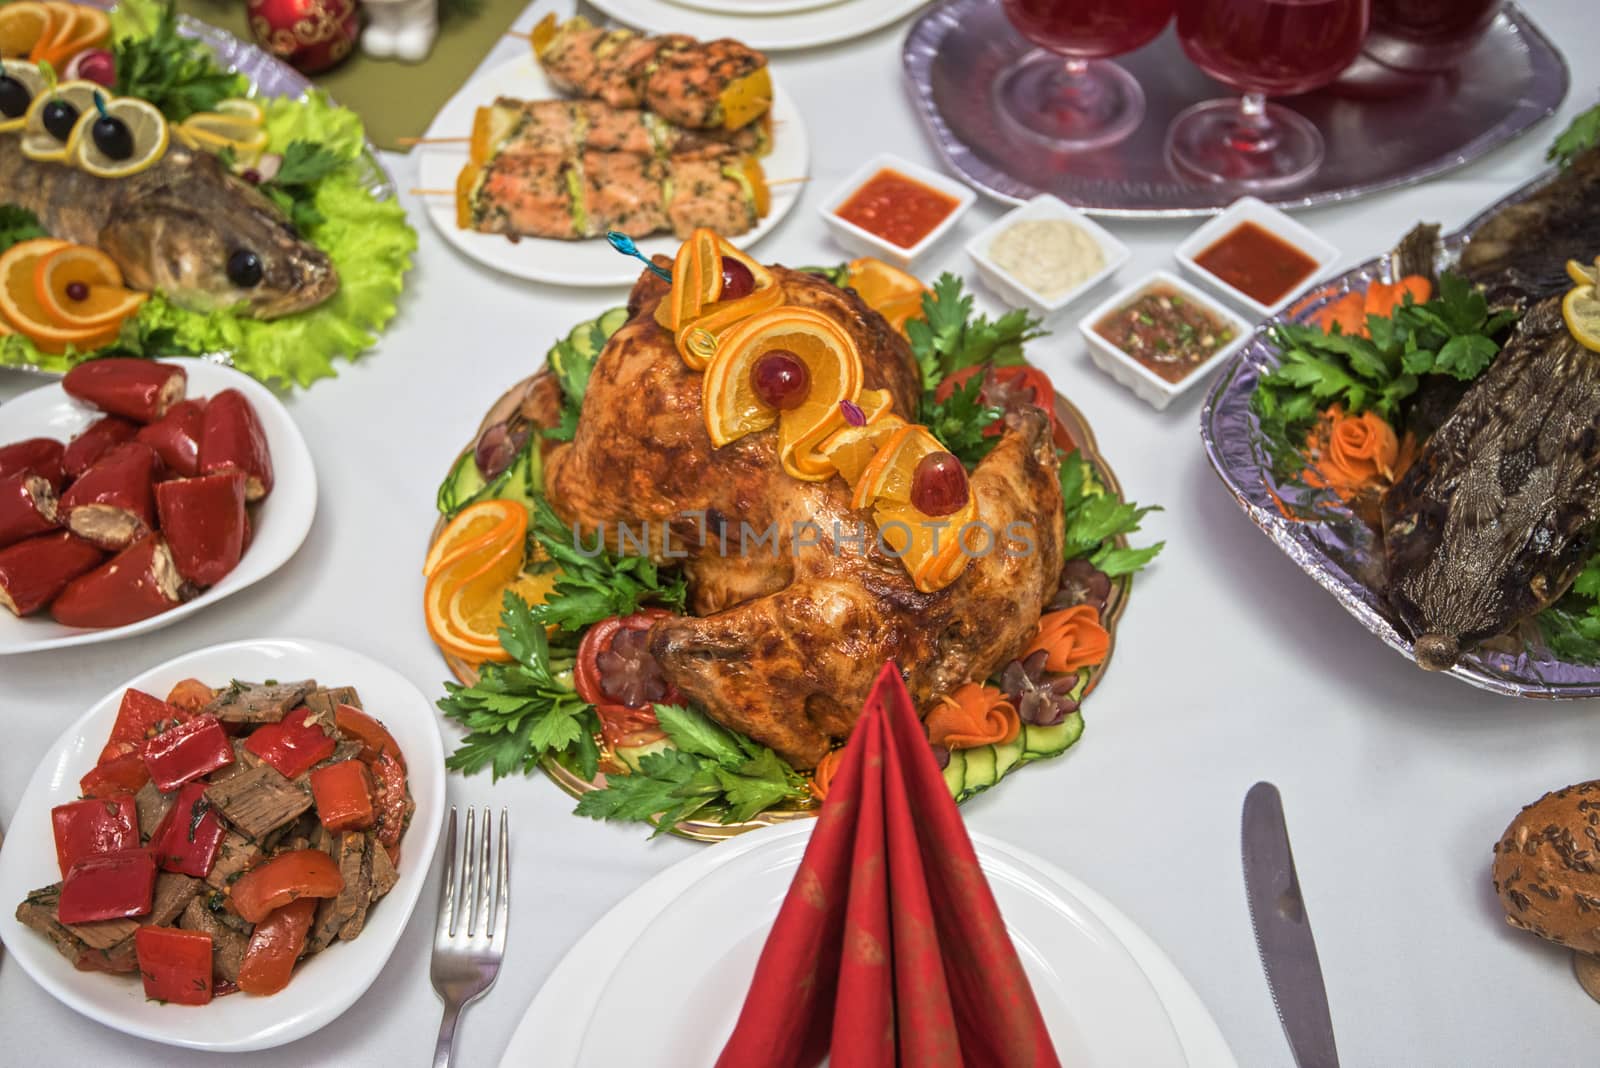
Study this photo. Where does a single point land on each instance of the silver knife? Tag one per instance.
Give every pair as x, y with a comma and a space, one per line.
1283, 932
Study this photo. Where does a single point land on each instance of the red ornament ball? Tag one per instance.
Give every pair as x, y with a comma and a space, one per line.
309, 35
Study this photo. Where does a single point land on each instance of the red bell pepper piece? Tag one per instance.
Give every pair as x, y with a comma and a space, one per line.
175, 964
89, 828
140, 717
293, 744
374, 737
100, 435
141, 390
42, 456
390, 798
190, 834
124, 775
27, 507
32, 572
301, 873
193, 748
233, 438
176, 437
275, 945
203, 520
113, 503
110, 886
342, 793
137, 583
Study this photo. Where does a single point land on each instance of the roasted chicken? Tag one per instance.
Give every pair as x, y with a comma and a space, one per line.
795, 610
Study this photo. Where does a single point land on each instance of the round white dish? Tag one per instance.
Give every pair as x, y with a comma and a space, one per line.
748, 8
324, 986
281, 521
591, 262
593, 964
768, 32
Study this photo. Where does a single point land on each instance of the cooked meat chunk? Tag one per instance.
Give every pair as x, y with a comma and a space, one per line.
384, 875
227, 944
86, 945
326, 700
258, 801
243, 761
174, 891
256, 703
152, 806
336, 913
234, 855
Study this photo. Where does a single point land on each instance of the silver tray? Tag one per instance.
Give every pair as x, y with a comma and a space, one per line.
1383, 129
270, 76
1322, 536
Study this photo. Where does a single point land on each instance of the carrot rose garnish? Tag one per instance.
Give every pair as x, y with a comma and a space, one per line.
972, 716
1351, 453
1071, 639
822, 777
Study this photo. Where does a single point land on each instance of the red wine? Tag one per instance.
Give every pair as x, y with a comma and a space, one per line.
1434, 22
1277, 47
1089, 29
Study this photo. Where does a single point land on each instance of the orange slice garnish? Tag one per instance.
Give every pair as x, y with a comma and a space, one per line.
468, 569
22, 25
697, 286
888, 477
77, 27
480, 531
929, 547
19, 302
852, 449
697, 342
101, 302
879, 283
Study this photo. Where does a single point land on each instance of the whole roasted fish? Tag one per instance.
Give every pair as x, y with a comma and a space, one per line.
206, 239
1495, 518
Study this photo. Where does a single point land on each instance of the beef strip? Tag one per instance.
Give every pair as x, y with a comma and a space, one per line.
345, 750
335, 913
324, 702
174, 891
256, 703
360, 890
89, 946
258, 801
234, 855
384, 875
227, 944
152, 806
243, 761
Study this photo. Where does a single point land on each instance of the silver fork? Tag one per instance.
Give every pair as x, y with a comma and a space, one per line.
470, 940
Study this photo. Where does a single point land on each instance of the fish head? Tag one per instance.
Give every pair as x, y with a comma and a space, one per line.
210, 241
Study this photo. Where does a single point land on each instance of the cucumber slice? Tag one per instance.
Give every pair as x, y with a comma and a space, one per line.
1006, 756
461, 486
611, 321
632, 754
1041, 742
583, 340
980, 771
955, 773
523, 480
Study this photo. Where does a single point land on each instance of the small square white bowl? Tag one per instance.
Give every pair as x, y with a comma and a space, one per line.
1275, 222
1145, 383
1016, 293
861, 241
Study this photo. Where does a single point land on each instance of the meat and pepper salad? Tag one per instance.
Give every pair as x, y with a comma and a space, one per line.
224, 835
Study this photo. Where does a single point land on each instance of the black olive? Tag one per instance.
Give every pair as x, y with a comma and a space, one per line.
14, 97
112, 137
244, 268
59, 118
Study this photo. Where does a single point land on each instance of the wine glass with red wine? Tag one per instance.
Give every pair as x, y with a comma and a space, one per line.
1428, 35
1064, 93
1262, 48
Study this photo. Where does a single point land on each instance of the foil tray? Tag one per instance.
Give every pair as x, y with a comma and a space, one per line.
1325, 539
269, 76
1383, 128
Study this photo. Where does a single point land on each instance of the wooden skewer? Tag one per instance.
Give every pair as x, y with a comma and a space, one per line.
432, 140
519, 35
433, 192
789, 181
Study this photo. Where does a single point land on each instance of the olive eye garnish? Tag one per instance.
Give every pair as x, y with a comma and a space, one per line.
244, 268
59, 118
14, 97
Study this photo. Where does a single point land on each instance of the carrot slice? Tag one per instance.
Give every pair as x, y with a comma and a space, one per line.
1071, 639
973, 716
1348, 313
1420, 288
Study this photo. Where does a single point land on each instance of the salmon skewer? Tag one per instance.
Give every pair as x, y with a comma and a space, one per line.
688, 82
572, 127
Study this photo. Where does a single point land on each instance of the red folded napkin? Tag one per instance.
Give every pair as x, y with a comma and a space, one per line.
889, 949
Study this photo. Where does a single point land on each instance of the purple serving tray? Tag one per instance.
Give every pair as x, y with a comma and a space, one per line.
1322, 536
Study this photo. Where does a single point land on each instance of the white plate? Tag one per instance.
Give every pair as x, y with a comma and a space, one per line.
591, 262
281, 521
629, 931
747, 8
327, 984
768, 32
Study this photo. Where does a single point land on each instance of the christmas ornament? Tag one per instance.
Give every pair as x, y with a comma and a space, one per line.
309, 35
403, 29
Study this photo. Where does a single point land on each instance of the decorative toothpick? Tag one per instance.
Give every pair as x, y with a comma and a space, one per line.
624, 244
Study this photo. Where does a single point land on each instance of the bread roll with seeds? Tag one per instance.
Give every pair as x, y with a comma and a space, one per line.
1547, 868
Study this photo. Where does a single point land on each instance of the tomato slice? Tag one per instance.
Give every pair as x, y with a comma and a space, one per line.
1009, 388
621, 725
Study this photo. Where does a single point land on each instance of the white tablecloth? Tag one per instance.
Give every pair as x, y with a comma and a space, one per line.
1232, 666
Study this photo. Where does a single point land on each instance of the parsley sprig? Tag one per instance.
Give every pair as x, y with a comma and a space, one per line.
177, 74
960, 419
18, 225
592, 588
522, 711
294, 188
1096, 518
711, 773
1582, 135
572, 366
951, 338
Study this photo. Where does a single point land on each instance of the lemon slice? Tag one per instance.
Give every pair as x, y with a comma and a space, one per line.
39, 143
1581, 310
213, 131
1584, 276
240, 108
145, 123
32, 80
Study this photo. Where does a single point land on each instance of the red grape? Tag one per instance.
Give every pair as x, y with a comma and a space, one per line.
737, 281
780, 380
939, 485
